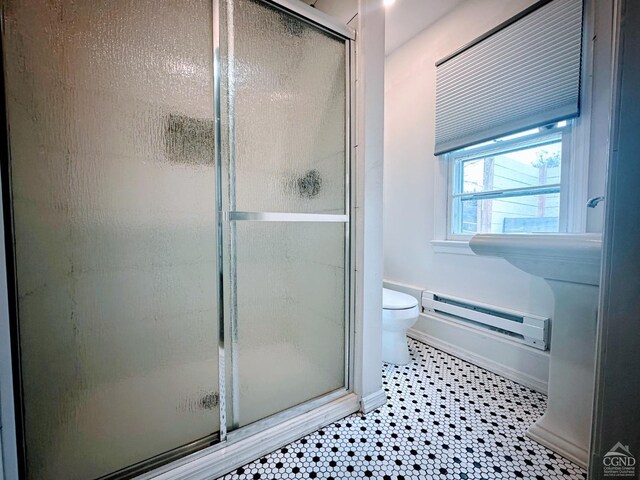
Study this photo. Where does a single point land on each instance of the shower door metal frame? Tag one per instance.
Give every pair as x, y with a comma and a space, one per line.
227, 340
222, 457
196, 456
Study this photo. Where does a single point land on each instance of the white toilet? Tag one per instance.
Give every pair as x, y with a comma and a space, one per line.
399, 313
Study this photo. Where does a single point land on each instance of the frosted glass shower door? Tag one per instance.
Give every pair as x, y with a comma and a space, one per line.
113, 198
285, 206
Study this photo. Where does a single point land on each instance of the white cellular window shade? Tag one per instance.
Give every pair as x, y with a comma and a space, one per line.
524, 74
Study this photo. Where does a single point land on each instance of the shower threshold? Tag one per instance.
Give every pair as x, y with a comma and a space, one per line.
255, 440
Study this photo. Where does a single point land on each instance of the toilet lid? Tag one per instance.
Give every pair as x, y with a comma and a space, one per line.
392, 300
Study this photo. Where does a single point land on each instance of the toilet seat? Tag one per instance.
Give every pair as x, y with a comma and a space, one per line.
392, 300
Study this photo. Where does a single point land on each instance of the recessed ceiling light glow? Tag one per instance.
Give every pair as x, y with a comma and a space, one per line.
388, 3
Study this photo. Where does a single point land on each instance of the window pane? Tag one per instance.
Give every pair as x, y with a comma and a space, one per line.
530, 167
518, 214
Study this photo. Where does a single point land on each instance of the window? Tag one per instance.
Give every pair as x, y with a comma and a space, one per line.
514, 184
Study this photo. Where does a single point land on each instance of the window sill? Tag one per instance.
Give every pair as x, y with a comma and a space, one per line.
456, 247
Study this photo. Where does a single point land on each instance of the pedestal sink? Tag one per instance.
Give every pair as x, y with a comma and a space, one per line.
571, 266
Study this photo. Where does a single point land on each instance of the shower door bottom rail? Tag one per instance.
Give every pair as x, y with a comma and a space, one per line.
164, 459
260, 438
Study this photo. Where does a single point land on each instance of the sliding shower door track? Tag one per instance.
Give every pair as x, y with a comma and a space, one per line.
166, 458
256, 440
281, 417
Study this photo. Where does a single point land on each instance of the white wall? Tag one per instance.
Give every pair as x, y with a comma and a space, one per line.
368, 202
601, 107
410, 169
414, 186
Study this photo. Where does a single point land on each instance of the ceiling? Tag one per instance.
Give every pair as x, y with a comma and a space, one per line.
344, 10
405, 18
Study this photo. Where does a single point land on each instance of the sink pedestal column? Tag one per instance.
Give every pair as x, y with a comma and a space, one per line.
570, 263
566, 424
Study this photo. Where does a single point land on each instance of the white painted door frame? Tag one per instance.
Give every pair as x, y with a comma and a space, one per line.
617, 400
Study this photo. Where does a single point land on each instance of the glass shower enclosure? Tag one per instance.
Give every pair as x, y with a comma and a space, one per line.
179, 209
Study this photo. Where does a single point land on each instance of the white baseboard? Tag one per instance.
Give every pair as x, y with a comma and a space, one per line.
215, 462
373, 401
492, 351
520, 363
560, 445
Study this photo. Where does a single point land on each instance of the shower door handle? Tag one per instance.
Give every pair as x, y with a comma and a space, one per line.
284, 217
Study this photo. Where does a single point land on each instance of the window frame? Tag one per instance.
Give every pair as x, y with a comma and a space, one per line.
584, 154
564, 130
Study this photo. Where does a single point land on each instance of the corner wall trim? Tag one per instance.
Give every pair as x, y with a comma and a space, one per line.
207, 465
371, 402
537, 384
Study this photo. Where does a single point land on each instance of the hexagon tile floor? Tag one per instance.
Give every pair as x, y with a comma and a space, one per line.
444, 419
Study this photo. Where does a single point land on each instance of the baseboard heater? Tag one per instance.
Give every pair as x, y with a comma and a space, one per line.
529, 329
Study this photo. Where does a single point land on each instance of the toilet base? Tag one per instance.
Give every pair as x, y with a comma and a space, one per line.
395, 349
